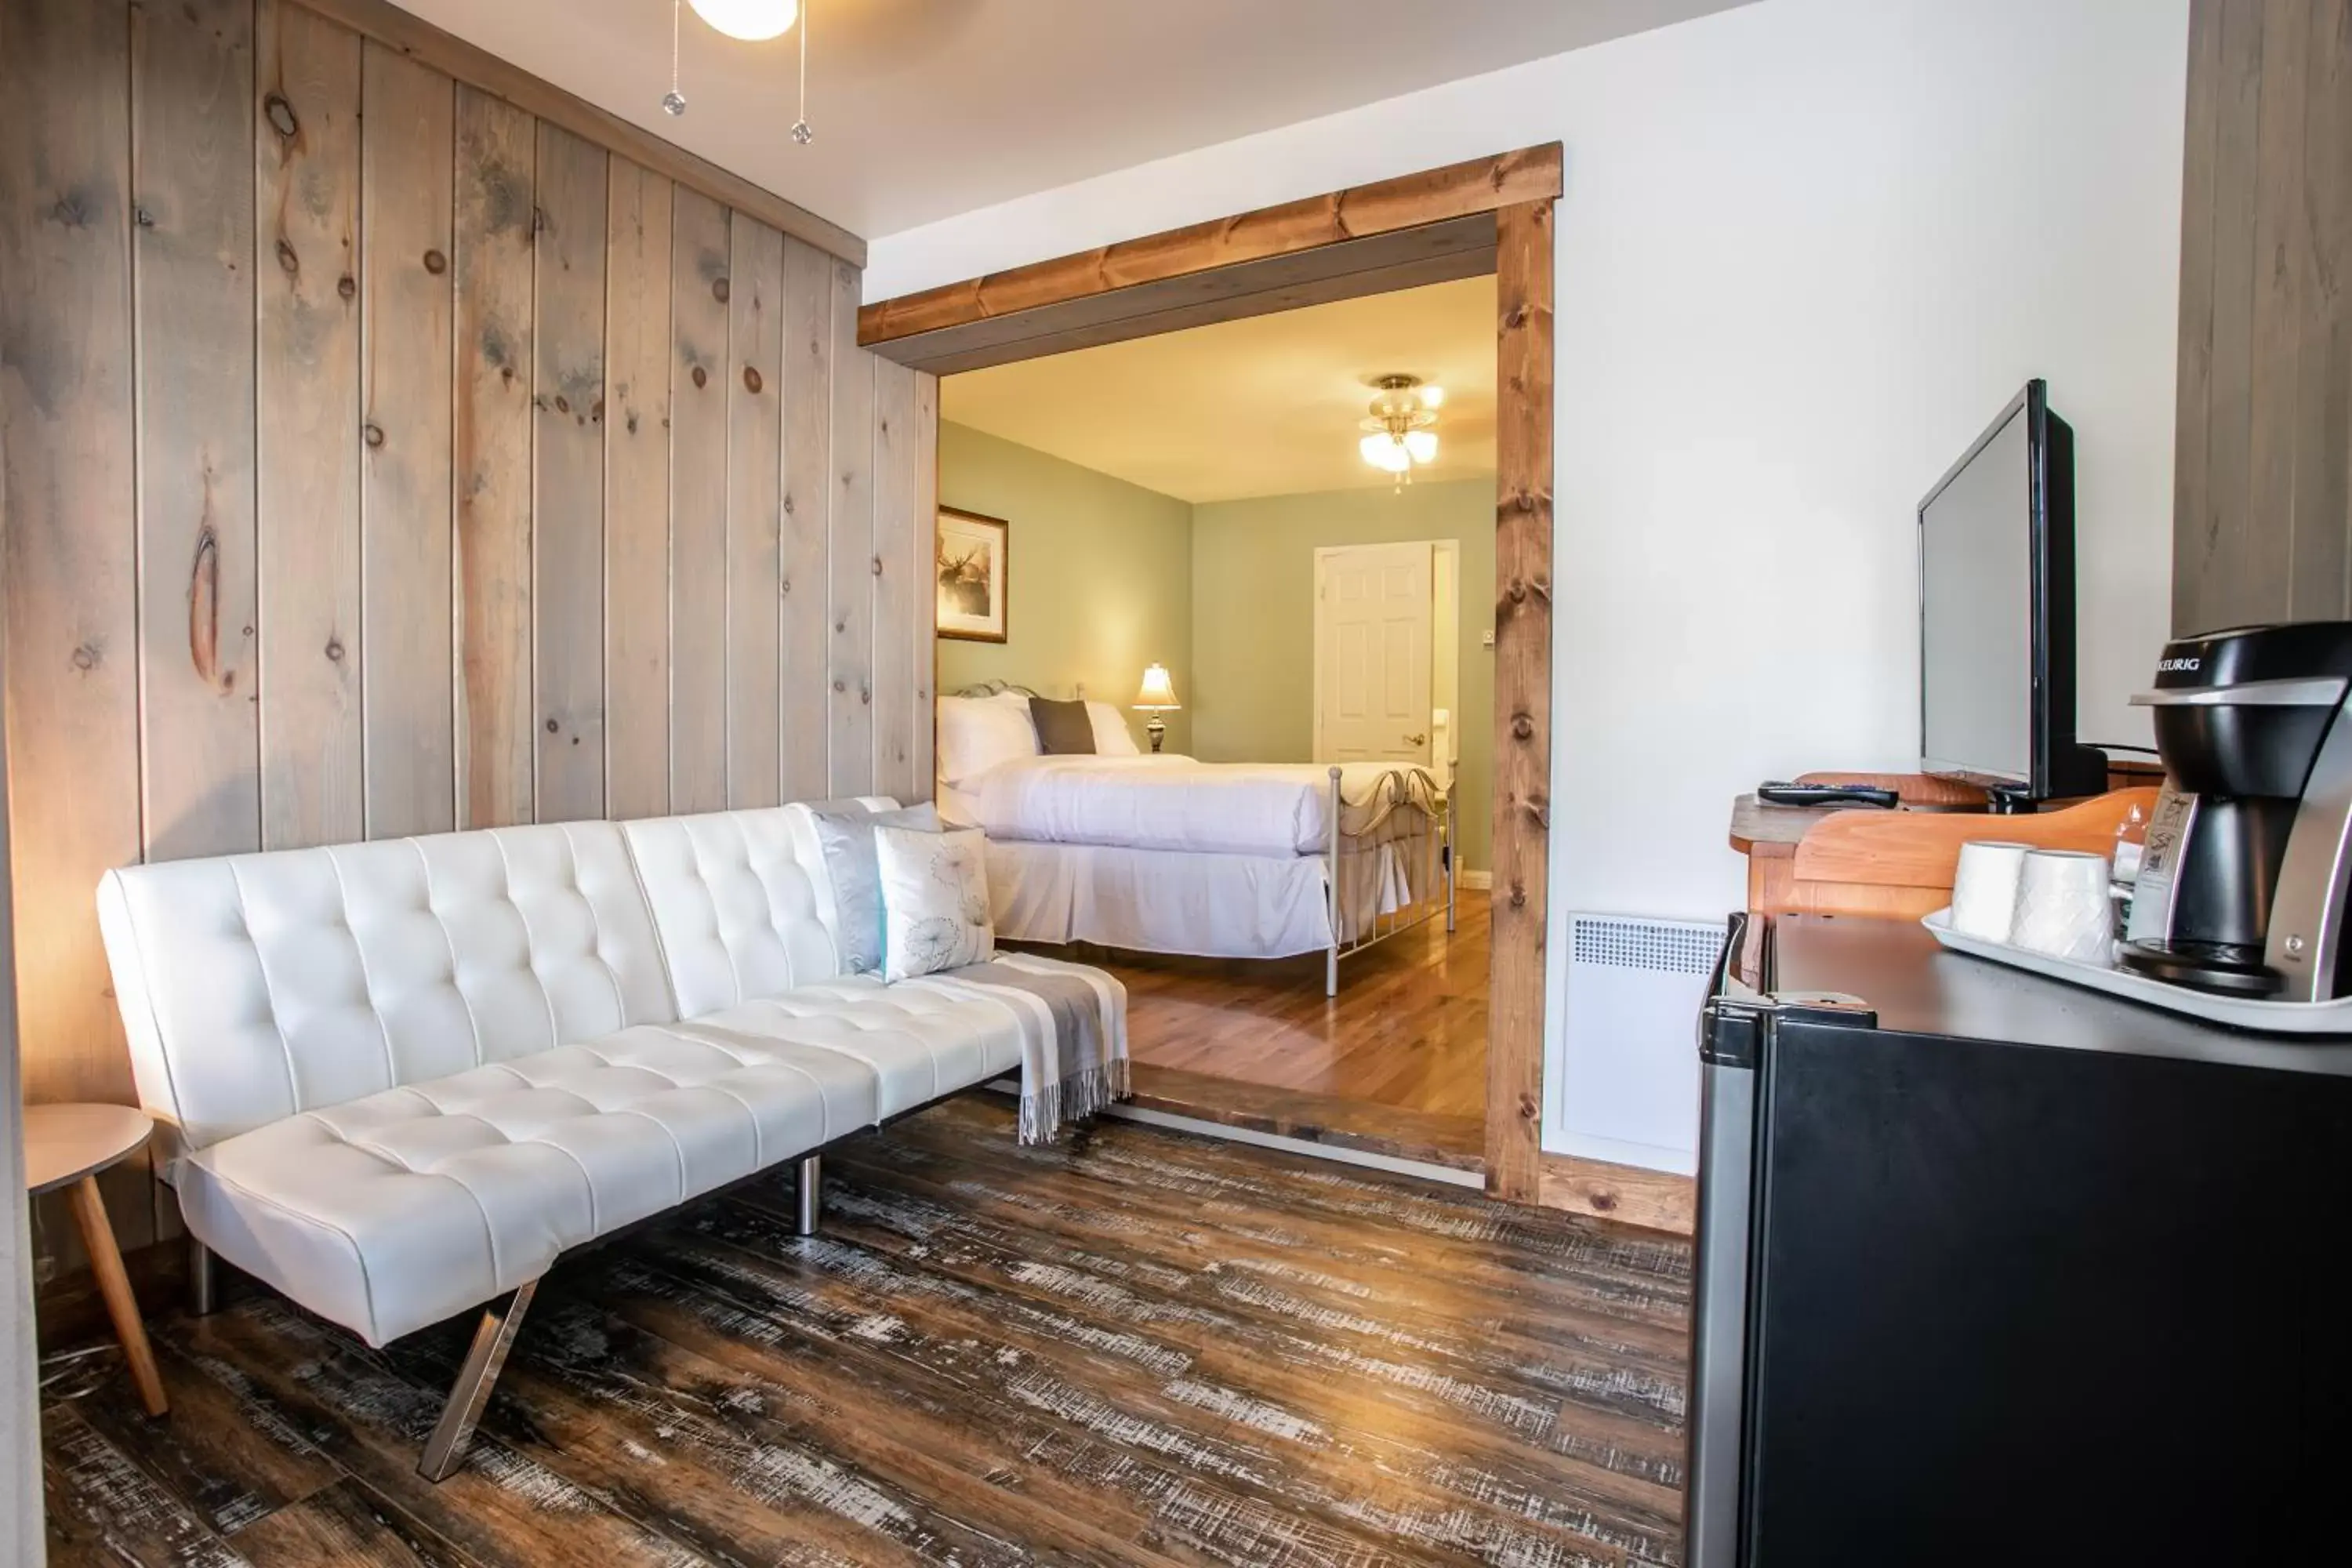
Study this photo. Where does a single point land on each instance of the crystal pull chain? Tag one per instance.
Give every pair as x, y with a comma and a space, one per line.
673, 101
801, 133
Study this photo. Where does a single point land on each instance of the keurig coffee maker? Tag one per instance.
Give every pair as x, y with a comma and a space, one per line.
2241, 888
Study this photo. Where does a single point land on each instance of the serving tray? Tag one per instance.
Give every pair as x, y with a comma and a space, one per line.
2235, 1012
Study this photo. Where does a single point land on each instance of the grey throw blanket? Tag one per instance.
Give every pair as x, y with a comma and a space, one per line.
1083, 1067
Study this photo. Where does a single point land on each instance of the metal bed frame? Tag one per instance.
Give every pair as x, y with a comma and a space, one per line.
1358, 876
1420, 856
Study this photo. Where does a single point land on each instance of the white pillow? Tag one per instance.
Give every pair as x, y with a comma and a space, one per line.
1112, 737
976, 733
934, 900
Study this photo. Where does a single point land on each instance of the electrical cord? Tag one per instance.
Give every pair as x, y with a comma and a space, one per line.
2119, 746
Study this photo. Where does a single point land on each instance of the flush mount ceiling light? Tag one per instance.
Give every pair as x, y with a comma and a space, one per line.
753, 21
1400, 438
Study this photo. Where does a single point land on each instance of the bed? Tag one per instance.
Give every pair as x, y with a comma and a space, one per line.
1166, 853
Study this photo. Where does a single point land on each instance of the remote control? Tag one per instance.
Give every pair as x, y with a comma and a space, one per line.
1781, 793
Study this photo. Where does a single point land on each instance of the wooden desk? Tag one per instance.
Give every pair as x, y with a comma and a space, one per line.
1891, 865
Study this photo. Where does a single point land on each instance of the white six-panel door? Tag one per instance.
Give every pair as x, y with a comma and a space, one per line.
1372, 628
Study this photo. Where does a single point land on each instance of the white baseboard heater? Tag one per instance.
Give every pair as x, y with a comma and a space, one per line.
1621, 1083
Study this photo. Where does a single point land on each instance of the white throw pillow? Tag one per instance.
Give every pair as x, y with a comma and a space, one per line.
1112, 737
976, 733
934, 900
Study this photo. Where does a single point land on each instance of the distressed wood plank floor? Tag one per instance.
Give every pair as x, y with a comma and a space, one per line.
1396, 1063
1137, 1347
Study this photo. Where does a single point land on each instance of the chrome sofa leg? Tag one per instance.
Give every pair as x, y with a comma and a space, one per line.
811, 1193
446, 1449
203, 1286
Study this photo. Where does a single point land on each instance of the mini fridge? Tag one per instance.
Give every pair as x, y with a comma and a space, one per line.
1991, 1268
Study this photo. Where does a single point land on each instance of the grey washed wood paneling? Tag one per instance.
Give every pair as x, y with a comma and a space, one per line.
357, 426
755, 470
2262, 506
407, 144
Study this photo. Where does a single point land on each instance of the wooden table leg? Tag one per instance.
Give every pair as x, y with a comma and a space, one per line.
106, 1262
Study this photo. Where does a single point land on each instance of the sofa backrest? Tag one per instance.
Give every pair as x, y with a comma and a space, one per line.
255, 986
740, 900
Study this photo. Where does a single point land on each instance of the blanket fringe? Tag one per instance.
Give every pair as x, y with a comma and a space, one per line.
1043, 1110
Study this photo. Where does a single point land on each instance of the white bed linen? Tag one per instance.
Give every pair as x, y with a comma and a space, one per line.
978, 733
1173, 900
1158, 900
1165, 802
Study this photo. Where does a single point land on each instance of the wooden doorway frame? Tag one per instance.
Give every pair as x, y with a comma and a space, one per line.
1488, 214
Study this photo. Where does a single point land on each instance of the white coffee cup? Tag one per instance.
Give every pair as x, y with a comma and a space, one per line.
1984, 888
2062, 907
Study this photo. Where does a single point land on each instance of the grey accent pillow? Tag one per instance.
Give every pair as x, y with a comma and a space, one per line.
1064, 728
844, 836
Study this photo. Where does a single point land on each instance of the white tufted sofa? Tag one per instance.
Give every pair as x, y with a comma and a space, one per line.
398, 1079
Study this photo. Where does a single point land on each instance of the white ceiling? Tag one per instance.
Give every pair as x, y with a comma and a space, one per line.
1265, 407
924, 109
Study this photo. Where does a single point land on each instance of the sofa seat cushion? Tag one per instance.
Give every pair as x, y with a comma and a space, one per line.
919, 1042
395, 1210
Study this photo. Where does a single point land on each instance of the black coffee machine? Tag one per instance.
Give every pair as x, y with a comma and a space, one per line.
2242, 885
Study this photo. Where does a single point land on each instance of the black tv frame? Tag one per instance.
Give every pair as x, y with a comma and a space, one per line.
2059, 767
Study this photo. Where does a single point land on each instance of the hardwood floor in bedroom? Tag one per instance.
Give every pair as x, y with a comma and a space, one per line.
1396, 1063
1134, 1347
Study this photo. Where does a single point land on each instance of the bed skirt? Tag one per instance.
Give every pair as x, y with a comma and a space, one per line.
1166, 900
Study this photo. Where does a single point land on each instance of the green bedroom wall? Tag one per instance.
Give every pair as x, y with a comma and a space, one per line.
1254, 622
1101, 577
1108, 577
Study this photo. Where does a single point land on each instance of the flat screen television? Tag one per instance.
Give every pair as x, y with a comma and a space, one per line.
1997, 612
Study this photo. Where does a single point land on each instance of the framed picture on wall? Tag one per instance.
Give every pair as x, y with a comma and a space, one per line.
974, 588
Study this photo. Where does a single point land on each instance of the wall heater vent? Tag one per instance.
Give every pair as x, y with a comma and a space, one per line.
1666, 947
1622, 1081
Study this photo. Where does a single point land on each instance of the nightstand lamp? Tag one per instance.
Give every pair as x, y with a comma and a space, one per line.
1157, 697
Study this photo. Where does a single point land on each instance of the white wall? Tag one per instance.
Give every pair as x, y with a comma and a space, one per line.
1808, 249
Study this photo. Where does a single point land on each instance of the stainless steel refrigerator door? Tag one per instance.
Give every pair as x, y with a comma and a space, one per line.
1729, 1028
1717, 1403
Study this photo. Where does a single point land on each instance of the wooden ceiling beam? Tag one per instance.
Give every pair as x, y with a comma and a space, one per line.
1438, 196
1408, 259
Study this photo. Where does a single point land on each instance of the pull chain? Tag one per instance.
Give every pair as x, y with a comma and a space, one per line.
673, 101
801, 133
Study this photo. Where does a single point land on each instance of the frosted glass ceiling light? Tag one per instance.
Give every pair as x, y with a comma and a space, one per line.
1400, 435
753, 21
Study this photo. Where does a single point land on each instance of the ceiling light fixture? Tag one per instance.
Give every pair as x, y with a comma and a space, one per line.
1400, 437
753, 21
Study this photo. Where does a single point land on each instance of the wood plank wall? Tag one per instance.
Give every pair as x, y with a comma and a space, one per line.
382, 459
2263, 498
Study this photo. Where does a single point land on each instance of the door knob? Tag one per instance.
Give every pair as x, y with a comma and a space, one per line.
1416, 740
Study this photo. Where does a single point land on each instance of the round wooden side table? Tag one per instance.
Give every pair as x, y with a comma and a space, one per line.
66, 1146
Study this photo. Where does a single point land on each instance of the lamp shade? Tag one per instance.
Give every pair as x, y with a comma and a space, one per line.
1158, 693
749, 20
